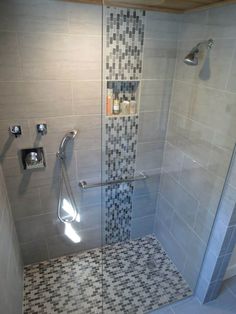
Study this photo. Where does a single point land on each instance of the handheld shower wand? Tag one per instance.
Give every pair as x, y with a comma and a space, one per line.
69, 136
69, 207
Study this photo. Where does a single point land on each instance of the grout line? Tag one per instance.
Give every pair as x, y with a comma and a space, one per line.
206, 87
230, 66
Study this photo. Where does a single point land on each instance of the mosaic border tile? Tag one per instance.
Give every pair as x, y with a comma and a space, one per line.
124, 43
120, 142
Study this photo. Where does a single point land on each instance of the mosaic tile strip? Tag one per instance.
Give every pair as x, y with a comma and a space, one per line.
124, 43
137, 277
121, 142
124, 89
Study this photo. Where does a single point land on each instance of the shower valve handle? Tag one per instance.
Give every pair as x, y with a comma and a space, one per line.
15, 130
42, 128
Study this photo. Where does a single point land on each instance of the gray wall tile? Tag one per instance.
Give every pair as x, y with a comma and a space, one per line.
11, 271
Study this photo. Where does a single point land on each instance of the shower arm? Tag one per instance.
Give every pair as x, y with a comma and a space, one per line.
208, 43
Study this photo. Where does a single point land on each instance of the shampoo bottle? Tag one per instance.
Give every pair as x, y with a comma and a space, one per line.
133, 105
116, 105
125, 106
109, 102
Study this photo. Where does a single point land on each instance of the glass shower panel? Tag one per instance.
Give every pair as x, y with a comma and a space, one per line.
136, 100
159, 224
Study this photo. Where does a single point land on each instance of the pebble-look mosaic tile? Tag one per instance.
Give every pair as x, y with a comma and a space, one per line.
126, 278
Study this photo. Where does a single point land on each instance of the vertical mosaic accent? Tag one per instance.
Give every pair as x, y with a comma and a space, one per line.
124, 43
121, 142
125, 89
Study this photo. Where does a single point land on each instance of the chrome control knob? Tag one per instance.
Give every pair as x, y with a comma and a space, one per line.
15, 130
41, 128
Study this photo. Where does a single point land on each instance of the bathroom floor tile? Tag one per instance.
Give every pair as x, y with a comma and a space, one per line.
130, 277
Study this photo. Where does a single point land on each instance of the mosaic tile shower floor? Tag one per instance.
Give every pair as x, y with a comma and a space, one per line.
137, 277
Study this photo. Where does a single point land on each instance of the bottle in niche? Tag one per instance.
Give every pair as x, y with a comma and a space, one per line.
109, 102
125, 107
133, 105
116, 105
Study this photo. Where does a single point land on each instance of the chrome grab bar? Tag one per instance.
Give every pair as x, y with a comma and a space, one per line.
84, 185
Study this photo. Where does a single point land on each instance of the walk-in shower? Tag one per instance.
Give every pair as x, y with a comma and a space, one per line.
192, 56
116, 155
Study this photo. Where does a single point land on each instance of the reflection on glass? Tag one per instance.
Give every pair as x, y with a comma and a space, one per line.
67, 207
71, 233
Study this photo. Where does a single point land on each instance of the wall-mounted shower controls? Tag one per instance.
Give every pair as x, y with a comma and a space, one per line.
33, 158
42, 128
15, 130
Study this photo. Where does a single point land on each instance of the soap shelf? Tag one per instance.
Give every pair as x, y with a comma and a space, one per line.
124, 89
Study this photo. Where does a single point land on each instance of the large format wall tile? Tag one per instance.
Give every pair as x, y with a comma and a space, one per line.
200, 138
162, 25
159, 59
9, 55
60, 56
85, 19
155, 95
34, 16
21, 100
11, 271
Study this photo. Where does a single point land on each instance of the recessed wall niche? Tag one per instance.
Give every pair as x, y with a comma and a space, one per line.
122, 91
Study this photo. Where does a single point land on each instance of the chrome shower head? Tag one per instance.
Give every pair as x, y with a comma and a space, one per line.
192, 56
69, 136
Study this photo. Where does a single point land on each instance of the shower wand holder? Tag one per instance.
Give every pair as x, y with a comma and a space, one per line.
33, 158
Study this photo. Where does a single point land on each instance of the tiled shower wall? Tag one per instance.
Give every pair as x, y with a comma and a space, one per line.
131, 212
160, 36
11, 271
200, 139
159, 55
50, 72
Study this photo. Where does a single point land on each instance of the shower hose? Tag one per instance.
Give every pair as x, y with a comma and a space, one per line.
64, 179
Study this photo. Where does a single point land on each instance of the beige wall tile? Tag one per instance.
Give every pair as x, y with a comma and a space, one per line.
182, 102
155, 95
191, 137
203, 185
149, 156
89, 163
219, 161
11, 271
22, 180
85, 19
161, 25
221, 22
9, 144
88, 137
34, 16
183, 203
50, 56
152, 126
231, 86
159, 59
86, 97
9, 57
21, 100
172, 160
25, 203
